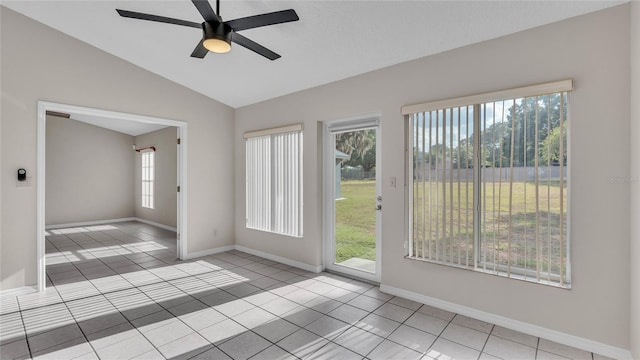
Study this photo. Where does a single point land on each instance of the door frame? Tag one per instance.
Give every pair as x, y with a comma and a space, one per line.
329, 128
43, 107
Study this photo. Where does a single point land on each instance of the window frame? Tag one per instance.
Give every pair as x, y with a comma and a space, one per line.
478, 102
281, 220
147, 179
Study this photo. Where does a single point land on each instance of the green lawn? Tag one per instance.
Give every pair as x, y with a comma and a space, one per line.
355, 224
528, 236
356, 221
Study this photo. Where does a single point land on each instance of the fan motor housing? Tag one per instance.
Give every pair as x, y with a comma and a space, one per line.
219, 31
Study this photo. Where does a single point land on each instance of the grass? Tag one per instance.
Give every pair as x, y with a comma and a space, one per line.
536, 243
356, 221
528, 237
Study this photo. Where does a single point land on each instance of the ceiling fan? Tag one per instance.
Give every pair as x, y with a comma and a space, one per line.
217, 35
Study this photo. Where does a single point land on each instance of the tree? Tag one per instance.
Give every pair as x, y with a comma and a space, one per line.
360, 145
463, 154
519, 127
550, 147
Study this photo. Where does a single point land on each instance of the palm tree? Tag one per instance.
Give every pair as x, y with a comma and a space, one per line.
356, 142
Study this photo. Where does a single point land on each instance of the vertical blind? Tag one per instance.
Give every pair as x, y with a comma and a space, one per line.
489, 189
274, 180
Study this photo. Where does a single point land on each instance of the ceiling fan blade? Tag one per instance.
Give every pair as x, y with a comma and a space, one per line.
253, 46
250, 22
206, 10
162, 19
200, 51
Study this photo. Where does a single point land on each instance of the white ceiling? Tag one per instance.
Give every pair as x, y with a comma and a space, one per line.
333, 39
133, 128
114, 123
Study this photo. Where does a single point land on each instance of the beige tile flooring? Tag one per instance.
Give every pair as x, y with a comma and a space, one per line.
116, 292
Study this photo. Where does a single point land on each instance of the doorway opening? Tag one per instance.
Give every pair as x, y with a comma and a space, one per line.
352, 197
106, 119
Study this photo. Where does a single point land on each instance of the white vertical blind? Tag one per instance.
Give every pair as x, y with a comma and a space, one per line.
258, 182
274, 182
442, 170
490, 186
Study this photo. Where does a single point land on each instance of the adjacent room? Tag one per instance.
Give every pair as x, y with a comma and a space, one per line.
320, 180
103, 174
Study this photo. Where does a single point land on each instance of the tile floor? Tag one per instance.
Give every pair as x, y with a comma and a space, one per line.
117, 292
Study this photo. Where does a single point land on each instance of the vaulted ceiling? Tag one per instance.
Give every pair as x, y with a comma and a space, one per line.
332, 40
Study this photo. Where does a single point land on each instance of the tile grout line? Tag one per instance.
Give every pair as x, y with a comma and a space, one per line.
24, 327
76, 323
126, 318
493, 326
225, 271
116, 308
390, 333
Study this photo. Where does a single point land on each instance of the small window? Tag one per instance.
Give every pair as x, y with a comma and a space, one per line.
274, 180
147, 179
489, 183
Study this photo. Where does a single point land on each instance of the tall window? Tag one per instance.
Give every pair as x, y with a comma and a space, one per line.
490, 183
274, 180
147, 179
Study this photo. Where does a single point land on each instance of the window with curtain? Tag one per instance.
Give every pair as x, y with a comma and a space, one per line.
489, 182
274, 180
147, 179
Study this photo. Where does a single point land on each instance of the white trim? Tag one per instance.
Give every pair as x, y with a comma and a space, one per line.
360, 123
330, 128
89, 223
296, 264
197, 254
515, 93
11, 293
354, 272
181, 198
153, 223
273, 131
41, 281
534, 330
109, 221
43, 107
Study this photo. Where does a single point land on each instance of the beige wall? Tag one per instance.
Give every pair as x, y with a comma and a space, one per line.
89, 173
634, 334
166, 177
94, 174
594, 51
64, 70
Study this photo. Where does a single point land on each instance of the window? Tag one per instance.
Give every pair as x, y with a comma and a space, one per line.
489, 183
147, 179
274, 180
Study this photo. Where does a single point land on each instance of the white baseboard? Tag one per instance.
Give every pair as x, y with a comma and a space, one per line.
9, 293
109, 221
538, 331
153, 223
296, 264
208, 252
89, 223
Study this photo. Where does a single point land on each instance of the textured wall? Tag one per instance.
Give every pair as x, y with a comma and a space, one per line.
89, 172
165, 181
594, 51
64, 70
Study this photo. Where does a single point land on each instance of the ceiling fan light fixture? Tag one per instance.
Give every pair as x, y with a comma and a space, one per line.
217, 38
217, 46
